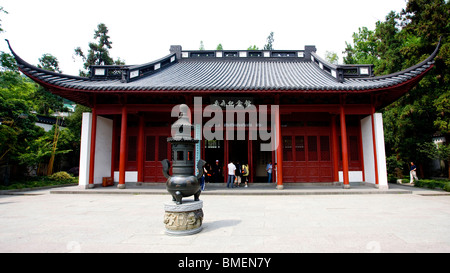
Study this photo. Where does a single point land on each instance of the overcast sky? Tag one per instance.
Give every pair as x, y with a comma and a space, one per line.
142, 31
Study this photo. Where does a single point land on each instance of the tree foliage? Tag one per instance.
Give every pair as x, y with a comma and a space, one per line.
201, 46
401, 41
331, 57
17, 129
47, 103
98, 53
22, 143
270, 40
2, 10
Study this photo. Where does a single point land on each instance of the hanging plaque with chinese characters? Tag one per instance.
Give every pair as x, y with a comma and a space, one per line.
232, 101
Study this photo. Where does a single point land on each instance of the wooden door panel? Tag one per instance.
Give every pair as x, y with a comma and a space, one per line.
156, 149
307, 155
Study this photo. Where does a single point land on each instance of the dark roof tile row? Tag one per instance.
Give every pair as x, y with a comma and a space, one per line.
231, 74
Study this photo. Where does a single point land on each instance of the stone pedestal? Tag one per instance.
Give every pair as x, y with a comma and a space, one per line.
183, 219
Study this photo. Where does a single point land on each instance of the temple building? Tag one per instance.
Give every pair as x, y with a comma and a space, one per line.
325, 127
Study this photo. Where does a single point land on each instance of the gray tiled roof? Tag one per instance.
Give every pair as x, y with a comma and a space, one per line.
226, 74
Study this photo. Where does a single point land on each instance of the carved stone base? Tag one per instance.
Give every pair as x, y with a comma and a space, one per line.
183, 219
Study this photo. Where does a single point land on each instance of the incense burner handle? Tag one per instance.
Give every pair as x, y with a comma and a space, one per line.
166, 166
200, 165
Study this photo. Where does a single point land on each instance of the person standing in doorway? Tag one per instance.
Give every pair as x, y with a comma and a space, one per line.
203, 178
269, 171
238, 173
216, 172
245, 173
231, 174
413, 173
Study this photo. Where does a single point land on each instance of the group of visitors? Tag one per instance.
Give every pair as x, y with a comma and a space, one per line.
239, 173
236, 174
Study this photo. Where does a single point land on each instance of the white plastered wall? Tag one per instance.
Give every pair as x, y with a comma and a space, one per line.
353, 176
369, 160
83, 178
103, 149
130, 176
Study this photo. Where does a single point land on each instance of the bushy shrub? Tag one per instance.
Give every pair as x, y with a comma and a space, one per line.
447, 186
62, 178
432, 184
59, 176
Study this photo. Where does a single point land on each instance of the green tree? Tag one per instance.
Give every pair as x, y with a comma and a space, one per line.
436, 151
442, 104
22, 143
7, 62
364, 48
388, 45
98, 53
46, 102
331, 57
17, 128
401, 41
49, 62
270, 40
2, 11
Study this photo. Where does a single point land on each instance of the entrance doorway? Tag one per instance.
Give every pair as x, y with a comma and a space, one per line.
214, 151
260, 160
225, 151
238, 151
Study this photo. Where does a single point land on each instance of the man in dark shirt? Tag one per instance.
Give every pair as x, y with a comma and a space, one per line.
217, 172
238, 174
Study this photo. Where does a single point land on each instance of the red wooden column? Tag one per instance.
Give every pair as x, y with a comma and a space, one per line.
225, 158
344, 148
250, 154
92, 153
374, 145
140, 149
123, 148
335, 149
361, 152
279, 150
